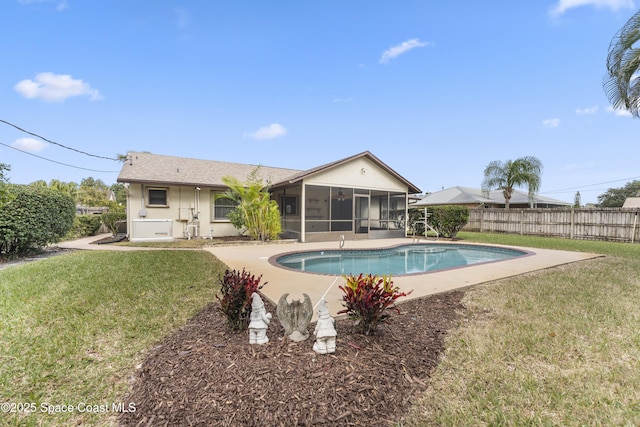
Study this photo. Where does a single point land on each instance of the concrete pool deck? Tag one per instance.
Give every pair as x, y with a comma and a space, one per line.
255, 259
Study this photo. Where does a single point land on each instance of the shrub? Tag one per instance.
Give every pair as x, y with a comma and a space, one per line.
84, 225
448, 220
235, 303
110, 220
34, 218
367, 299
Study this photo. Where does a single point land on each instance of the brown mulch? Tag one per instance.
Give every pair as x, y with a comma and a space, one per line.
206, 375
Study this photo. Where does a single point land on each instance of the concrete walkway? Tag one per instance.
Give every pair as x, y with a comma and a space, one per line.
86, 243
255, 259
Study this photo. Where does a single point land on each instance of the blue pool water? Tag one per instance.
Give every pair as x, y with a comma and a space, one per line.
396, 261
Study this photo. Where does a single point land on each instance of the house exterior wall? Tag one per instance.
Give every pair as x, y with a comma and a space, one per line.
351, 175
189, 209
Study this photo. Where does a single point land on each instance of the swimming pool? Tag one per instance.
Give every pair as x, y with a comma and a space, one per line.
395, 261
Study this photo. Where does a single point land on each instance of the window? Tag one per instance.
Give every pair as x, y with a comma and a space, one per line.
222, 206
288, 205
157, 197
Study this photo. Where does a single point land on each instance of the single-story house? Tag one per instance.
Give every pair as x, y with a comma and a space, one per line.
475, 198
358, 197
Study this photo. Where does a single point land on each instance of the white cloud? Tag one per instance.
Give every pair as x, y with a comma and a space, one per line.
551, 123
619, 112
564, 5
55, 87
29, 144
274, 130
398, 50
589, 110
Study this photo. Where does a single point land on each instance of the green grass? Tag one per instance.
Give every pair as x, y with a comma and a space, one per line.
73, 327
557, 347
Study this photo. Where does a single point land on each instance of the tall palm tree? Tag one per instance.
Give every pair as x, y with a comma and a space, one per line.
622, 83
524, 171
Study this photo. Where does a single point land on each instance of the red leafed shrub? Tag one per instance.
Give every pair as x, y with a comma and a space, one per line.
236, 288
367, 298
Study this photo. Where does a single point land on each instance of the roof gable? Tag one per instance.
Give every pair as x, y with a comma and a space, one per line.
412, 189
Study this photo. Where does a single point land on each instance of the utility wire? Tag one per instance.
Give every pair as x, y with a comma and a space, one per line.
56, 143
54, 161
590, 185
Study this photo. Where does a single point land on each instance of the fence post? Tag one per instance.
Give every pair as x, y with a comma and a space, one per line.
573, 211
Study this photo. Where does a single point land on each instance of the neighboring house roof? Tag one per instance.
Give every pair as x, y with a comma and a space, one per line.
467, 195
632, 202
169, 170
310, 172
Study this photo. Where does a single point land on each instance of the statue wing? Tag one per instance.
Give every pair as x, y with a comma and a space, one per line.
284, 314
307, 309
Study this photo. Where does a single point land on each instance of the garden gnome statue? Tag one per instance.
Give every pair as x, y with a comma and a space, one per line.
295, 317
325, 331
259, 321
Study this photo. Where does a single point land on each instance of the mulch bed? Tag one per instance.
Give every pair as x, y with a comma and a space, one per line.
206, 375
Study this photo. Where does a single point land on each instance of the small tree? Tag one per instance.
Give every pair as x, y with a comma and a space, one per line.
112, 218
577, 200
255, 212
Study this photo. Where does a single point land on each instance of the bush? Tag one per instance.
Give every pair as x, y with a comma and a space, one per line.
34, 218
448, 220
367, 299
84, 225
235, 303
110, 220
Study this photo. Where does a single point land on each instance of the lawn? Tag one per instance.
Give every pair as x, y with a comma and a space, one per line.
73, 327
554, 347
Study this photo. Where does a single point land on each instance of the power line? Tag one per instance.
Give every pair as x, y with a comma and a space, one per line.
590, 185
54, 161
56, 143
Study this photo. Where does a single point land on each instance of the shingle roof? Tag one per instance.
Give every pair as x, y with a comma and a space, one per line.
169, 170
150, 168
632, 202
466, 195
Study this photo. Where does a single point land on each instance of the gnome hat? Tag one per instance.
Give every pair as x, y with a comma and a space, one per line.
256, 303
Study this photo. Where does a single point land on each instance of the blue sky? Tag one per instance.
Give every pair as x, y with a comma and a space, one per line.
435, 89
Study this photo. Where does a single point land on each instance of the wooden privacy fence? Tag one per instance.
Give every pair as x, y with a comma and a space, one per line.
611, 224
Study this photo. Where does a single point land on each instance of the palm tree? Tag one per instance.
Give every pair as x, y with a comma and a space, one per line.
622, 84
524, 171
255, 210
